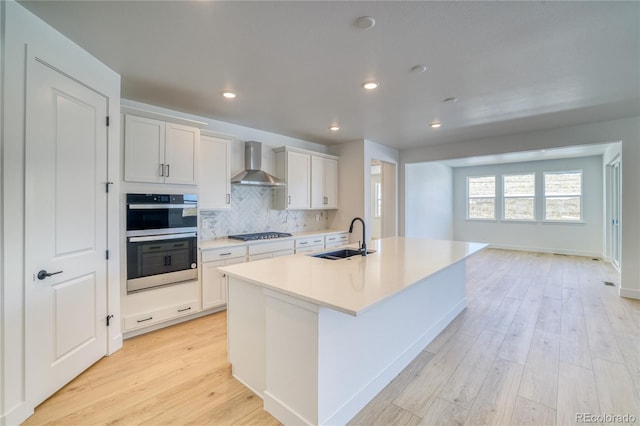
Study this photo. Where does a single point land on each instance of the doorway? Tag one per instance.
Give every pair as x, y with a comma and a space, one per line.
383, 206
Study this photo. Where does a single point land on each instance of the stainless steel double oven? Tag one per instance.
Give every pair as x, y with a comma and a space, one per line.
162, 246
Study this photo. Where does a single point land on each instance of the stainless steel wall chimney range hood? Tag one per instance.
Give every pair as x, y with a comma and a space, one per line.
252, 175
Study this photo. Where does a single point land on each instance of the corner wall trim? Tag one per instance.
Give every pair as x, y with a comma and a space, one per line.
629, 293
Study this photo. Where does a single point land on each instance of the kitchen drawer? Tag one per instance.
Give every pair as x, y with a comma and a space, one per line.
271, 246
318, 240
336, 239
223, 253
271, 254
309, 249
146, 319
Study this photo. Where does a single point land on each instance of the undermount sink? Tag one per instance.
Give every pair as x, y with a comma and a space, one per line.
340, 254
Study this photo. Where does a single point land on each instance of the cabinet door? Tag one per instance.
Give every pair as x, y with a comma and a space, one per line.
214, 290
181, 148
144, 141
298, 176
214, 176
330, 183
317, 182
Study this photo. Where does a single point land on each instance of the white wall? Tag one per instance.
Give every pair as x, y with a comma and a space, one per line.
352, 169
584, 239
626, 130
23, 32
428, 194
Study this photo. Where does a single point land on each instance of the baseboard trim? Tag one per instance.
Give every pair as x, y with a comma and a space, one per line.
629, 293
17, 414
547, 250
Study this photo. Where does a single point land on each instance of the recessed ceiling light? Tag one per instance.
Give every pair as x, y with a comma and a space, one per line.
370, 85
229, 95
435, 125
419, 68
334, 128
451, 100
365, 22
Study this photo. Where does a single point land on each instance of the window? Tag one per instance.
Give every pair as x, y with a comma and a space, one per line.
563, 196
481, 197
519, 195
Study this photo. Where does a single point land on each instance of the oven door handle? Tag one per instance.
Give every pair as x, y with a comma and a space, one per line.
161, 206
162, 237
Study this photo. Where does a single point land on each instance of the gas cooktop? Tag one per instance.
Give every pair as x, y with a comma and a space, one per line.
259, 236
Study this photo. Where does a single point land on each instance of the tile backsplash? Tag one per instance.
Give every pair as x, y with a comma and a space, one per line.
252, 211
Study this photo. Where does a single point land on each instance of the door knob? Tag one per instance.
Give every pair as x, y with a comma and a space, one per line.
44, 274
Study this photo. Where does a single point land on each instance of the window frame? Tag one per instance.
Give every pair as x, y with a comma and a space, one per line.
533, 197
495, 195
545, 197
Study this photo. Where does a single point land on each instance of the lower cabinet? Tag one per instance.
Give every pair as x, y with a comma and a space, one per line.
146, 319
269, 249
148, 308
214, 282
336, 240
309, 244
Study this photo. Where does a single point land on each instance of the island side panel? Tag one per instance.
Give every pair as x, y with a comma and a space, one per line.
359, 356
246, 333
291, 393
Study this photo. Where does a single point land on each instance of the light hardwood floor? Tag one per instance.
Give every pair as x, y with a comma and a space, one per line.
542, 339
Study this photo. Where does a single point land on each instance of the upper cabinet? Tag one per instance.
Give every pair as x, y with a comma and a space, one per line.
159, 151
311, 178
324, 182
214, 181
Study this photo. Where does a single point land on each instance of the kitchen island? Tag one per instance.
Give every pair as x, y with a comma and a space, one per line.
317, 339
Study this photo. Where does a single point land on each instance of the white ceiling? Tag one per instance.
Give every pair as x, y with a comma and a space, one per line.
298, 66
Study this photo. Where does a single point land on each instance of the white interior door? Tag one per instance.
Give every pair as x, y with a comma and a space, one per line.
66, 229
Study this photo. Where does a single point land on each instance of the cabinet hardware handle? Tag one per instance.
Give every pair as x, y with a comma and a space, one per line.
146, 319
304, 242
228, 198
317, 241
331, 239
224, 275
225, 254
162, 169
289, 199
167, 171
44, 274
185, 309
325, 200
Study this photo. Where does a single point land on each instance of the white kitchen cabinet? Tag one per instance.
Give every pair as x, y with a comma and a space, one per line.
336, 240
214, 181
309, 244
156, 151
152, 308
324, 182
294, 168
214, 283
266, 250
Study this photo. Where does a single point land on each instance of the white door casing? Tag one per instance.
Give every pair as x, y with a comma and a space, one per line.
65, 229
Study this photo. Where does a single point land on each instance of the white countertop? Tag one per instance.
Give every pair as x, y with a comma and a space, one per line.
355, 284
226, 242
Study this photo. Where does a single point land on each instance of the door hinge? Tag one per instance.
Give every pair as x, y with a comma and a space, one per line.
107, 254
106, 184
107, 121
109, 319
